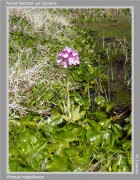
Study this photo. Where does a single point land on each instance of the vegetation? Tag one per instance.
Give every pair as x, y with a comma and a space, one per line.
97, 136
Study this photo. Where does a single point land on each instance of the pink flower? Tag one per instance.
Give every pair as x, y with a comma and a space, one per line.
68, 57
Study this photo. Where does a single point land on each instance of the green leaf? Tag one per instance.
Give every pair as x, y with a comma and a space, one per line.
94, 137
13, 151
55, 119
121, 164
75, 128
58, 133
24, 149
60, 145
82, 113
36, 118
128, 129
100, 115
107, 139
29, 123
105, 123
127, 144
66, 118
109, 106
84, 159
79, 166
25, 169
28, 136
117, 131
126, 168
112, 149
76, 114
56, 164
83, 135
69, 136
71, 152
100, 100
13, 165
26, 118
95, 125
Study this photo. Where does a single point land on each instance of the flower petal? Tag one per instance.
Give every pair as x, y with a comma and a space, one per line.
68, 57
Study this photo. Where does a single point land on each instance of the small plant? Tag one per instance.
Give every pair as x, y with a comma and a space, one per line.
67, 58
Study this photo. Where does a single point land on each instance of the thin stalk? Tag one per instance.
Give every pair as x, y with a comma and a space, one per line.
105, 92
99, 66
68, 95
108, 76
125, 66
94, 98
88, 91
111, 69
103, 38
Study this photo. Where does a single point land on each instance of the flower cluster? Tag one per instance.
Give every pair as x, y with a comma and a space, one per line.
68, 57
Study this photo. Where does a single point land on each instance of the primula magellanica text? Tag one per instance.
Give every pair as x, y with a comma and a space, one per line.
68, 57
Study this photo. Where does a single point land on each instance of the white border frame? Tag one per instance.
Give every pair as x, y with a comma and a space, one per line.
132, 83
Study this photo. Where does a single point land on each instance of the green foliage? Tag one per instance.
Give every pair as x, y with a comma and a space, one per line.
46, 146
42, 137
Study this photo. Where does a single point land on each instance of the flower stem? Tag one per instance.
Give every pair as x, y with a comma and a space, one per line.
68, 95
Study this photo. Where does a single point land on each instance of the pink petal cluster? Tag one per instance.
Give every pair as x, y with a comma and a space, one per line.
68, 57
